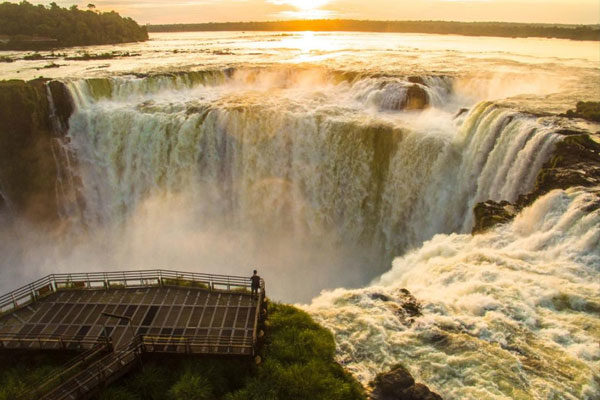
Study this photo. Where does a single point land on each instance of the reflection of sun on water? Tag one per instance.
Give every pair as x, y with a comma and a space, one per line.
307, 42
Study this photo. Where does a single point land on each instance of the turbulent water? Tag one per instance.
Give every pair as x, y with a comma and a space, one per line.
510, 314
305, 155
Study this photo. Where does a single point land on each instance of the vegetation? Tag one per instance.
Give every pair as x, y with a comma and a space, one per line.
589, 110
20, 369
297, 363
39, 27
501, 29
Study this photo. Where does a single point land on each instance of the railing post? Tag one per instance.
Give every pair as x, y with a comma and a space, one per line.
32, 288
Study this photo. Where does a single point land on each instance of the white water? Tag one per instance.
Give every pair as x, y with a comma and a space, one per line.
307, 158
510, 314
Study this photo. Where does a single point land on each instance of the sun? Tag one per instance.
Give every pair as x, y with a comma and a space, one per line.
307, 5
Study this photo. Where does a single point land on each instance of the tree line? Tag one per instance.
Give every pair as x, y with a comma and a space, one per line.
26, 24
500, 29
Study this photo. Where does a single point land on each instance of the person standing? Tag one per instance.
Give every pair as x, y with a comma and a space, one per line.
255, 283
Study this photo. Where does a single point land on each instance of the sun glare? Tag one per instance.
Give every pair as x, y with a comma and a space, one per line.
308, 5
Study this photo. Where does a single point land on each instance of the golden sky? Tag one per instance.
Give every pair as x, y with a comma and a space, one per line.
186, 11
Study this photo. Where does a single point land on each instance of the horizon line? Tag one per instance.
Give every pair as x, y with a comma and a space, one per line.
373, 20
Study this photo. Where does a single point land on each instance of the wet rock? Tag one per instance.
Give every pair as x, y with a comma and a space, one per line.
28, 169
416, 98
398, 384
589, 110
461, 112
574, 162
63, 103
417, 79
380, 296
491, 213
409, 304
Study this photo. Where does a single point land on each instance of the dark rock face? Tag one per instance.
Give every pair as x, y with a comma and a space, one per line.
402, 303
575, 162
589, 110
491, 213
398, 384
28, 168
416, 98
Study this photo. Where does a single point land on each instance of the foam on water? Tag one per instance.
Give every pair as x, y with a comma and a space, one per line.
510, 314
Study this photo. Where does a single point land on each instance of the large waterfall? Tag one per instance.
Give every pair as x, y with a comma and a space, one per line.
324, 160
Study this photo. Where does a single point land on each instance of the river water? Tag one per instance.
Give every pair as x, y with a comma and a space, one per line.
293, 152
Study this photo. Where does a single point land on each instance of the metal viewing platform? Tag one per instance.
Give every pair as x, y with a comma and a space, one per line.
114, 317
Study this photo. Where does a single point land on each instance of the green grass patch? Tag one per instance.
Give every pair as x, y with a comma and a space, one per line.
20, 370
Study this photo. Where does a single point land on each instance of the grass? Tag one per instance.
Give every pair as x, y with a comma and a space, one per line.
18, 369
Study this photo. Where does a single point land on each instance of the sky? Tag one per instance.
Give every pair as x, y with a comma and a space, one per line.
190, 11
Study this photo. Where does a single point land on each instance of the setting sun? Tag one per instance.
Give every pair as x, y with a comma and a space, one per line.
307, 5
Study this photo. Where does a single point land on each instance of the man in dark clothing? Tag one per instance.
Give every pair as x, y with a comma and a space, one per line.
255, 279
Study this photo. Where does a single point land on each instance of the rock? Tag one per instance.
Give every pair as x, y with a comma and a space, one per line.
417, 79
589, 110
398, 384
574, 162
416, 98
380, 296
393, 384
403, 304
420, 392
461, 112
491, 213
28, 169
63, 103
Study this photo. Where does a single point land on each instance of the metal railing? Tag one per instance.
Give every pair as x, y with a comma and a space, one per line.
103, 371
115, 280
118, 362
196, 344
43, 341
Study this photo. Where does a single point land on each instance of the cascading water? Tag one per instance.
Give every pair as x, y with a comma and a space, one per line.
509, 314
313, 163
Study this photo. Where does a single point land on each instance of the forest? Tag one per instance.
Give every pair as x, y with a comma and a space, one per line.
499, 29
25, 26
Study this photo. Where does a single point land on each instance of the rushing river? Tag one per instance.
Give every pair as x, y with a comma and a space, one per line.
305, 155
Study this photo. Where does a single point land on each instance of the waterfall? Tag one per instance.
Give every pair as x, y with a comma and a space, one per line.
506, 314
297, 164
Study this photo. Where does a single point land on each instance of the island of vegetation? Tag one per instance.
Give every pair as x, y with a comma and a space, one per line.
25, 26
499, 29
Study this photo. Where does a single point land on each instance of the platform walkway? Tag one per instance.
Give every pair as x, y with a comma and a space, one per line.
129, 313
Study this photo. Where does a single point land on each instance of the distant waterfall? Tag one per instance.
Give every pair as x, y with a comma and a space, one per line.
297, 164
